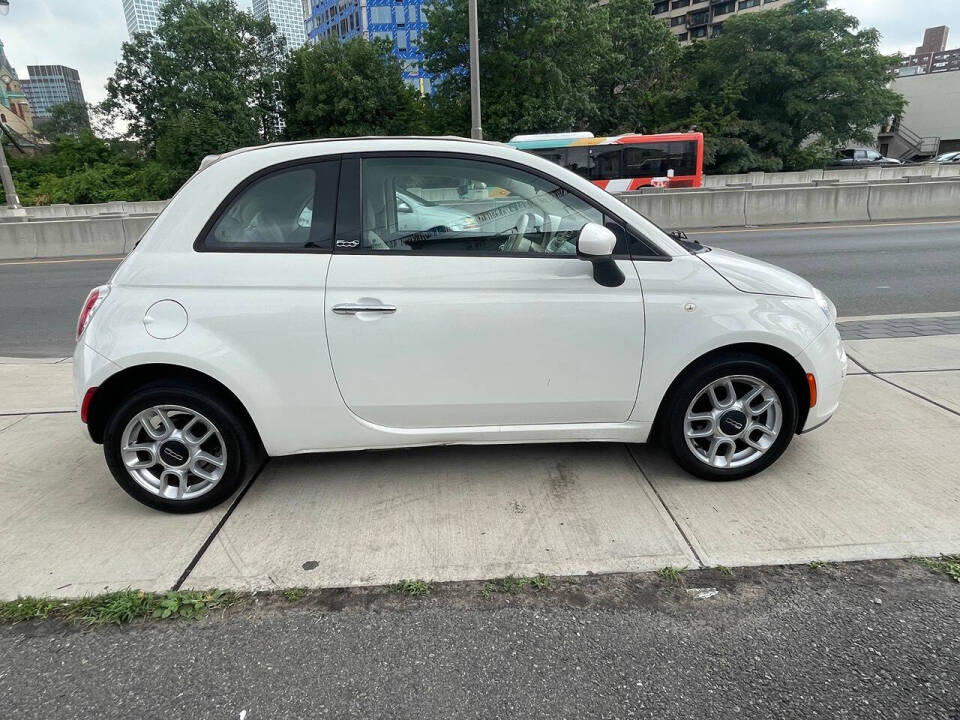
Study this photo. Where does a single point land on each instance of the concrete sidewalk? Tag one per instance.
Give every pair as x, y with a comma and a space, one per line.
879, 481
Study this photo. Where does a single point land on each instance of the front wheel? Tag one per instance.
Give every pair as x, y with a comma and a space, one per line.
731, 418
177, 448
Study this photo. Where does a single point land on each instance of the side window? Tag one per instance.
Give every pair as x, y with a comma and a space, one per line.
277, 212
606, 163
451, 206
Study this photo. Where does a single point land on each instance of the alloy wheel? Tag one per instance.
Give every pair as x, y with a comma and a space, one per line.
173, 452
733, 421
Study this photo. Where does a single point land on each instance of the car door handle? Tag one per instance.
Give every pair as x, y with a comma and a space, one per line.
354, 308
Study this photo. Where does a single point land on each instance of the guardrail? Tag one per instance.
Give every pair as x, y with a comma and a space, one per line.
114, 228
848, 202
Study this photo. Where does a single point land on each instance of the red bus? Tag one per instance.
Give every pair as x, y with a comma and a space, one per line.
624, 162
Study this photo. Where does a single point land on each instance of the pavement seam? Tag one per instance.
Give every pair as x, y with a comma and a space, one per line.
15, 422
696, 555
880, 377
223, 521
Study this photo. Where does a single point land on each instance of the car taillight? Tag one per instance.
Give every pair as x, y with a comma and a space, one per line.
90, 306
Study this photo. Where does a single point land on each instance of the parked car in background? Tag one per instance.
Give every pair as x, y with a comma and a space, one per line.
862, 157
242, 325
950, 158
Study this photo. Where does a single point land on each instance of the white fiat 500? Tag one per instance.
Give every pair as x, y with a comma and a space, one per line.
390, 292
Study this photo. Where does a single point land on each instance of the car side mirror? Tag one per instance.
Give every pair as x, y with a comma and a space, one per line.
596, 244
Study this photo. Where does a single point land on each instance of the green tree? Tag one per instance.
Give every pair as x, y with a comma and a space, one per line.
205, 82
68, 118
637, 63
86, 169
538, 60
785, 88
357, 88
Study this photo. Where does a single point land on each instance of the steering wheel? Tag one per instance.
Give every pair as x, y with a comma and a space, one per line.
517, 241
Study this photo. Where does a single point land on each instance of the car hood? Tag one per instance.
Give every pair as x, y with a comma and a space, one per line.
755, 276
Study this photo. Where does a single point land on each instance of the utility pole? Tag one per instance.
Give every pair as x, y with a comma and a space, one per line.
476, 131
13, 200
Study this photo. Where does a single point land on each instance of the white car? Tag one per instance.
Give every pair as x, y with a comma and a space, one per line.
241, 326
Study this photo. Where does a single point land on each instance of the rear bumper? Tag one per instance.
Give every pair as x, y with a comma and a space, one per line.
90, 370
826, 359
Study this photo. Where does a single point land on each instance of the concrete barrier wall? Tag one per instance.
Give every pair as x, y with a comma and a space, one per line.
691, 210
915, 200
797, 205
854, 175
76, 236
807, 204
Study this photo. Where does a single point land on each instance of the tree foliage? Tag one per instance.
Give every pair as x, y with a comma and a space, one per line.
785, 87
68, 118
205, 82
85, 169
357, 88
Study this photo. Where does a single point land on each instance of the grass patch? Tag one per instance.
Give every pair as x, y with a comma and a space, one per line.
946, 564
725, 570
293, 594
115, 608
511, 585
416, 588
819, 566
672, 574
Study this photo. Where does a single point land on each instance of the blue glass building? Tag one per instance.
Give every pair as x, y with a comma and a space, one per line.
399, 21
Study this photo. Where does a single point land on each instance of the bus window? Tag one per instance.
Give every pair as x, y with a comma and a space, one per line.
656, 159
578, 160
554, 155
606, 162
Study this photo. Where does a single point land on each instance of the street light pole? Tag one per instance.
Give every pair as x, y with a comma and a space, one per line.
13, 200
476, 131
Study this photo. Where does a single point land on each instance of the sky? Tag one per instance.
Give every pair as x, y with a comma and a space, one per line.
87, 34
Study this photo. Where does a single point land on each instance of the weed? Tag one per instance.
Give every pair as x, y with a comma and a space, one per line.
819, 566
27, 608
511, 585
725, 570
293, 594
412, 587
672, 574
946, 564
116, 608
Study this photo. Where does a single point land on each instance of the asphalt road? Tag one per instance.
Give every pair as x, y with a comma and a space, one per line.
876, 640
880, 269
866, 269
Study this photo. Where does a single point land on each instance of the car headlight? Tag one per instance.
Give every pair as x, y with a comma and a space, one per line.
825, 304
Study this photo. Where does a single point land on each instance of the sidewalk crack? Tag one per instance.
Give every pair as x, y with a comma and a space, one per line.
696, 555
921, 396
223, 521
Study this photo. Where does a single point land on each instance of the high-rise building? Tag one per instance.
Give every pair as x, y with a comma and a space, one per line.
51, 85
695, 19
287, 15
399, 21
932, 56
142, 15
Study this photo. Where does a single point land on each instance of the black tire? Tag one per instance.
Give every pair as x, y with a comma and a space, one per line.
243, 454
701, 376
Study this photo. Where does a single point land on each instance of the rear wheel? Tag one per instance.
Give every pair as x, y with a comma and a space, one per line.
177, 448
731, 418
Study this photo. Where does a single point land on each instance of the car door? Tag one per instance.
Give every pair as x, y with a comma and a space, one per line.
495, 323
